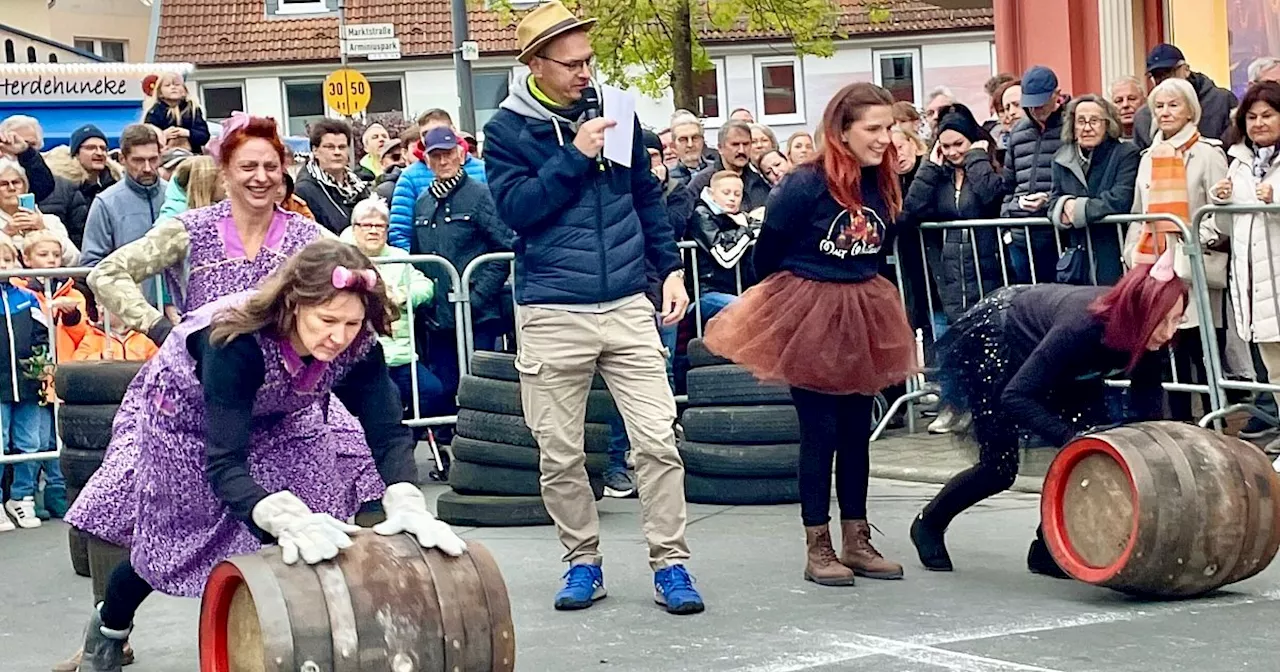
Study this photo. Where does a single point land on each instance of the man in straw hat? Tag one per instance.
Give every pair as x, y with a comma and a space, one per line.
586, 228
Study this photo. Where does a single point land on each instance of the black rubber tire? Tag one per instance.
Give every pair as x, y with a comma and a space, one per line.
87, 427
78, 465
513, 457
78, 546
481, 479
714, 459
740, 491
699, 356
741, 425
732, 385
103, 559
485, 511
92, 383
510, 429
500, 396
502, 366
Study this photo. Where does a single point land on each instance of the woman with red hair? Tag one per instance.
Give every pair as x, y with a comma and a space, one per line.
826, 323
205, 254
1032, 358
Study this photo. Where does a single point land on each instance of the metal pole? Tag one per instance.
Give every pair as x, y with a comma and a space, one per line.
342, 30
466, 96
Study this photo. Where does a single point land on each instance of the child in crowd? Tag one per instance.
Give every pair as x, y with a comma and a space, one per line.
113, 340
24, 343
176, 113
724, 237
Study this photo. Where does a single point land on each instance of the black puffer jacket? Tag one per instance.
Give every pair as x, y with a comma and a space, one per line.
67, 204
1216, 104
1028, 169
460, 227
724, 248
933, 198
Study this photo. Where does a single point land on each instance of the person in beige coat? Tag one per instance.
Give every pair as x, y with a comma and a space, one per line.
1175, 108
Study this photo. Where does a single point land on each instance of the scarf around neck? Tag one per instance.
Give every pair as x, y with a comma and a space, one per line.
350, 189
1168, 193
441, 188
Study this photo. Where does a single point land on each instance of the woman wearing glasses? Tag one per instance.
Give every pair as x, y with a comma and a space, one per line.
1093, 176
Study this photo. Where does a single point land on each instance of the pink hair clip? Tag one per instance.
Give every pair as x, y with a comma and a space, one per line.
1162, 271
345, 278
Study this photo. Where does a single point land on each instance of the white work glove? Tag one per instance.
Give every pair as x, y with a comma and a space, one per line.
407, 512
301, 531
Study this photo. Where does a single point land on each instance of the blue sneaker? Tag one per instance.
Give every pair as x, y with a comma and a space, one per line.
673, 589
583, 585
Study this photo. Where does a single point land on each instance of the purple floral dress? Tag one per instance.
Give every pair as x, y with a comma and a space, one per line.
216, 266
182, 529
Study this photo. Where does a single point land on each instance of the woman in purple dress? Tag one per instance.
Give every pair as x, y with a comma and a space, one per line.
229, 459
206, 254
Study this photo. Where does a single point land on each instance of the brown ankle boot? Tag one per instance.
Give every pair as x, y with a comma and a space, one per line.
822, 566
857, 553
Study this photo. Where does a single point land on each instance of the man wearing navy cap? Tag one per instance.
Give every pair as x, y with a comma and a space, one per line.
1028, 171
1216, 103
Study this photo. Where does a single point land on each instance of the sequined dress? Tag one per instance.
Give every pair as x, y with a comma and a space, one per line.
181, 527
216, 266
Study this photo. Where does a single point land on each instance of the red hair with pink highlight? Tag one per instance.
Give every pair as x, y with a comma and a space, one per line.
262, 128
844, 173
1132, 310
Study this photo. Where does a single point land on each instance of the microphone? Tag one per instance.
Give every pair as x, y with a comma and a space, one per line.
591, 100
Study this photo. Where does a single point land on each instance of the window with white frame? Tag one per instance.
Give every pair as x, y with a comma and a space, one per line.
303, 104
386, 95
287, 7
220, 100
779, 90
898, 71
709, 94
112, 50
489, 88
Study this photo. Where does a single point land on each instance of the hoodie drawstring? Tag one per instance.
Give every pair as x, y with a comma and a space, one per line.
555, 123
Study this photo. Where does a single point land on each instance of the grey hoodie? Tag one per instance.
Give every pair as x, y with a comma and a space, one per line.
522, 101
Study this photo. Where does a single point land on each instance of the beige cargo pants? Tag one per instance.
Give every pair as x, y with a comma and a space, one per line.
559, 353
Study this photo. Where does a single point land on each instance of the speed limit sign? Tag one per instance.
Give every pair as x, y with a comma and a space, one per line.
347, 91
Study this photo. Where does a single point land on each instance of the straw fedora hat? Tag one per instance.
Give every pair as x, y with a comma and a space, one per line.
544, 24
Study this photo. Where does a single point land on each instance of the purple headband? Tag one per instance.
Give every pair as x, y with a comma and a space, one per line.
345, 278
237, 121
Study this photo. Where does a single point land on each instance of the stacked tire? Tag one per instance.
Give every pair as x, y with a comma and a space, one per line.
494, 473
741, 437
91, 393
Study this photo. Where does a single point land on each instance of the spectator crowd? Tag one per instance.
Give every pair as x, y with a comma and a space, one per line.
1166, 143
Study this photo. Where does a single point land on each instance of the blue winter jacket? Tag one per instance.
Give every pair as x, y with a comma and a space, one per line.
584, 228
413, 181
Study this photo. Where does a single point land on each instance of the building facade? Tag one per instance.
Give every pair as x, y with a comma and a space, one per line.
113, 30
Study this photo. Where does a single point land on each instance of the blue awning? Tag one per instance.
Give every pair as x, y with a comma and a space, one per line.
60, 120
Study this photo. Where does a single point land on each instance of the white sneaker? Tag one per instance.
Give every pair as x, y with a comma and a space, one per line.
24, 512
942, 424
6, 525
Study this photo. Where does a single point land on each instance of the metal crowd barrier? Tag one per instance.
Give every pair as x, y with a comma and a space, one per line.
918, 388
1217, 372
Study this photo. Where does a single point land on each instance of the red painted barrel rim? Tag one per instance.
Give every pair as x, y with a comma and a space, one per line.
1055, 528
223, 583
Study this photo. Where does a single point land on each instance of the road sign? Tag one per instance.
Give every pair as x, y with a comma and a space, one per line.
382, 48
470, 50
347, 91
368, 31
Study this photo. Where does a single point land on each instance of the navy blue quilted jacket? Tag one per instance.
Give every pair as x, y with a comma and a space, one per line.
584, 228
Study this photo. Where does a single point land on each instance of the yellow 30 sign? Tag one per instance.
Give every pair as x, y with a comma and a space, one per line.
347, 91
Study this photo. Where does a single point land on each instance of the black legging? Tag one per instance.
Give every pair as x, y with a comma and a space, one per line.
125, 593
836, 426
994, 473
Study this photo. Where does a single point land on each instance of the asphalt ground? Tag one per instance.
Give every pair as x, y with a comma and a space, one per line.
990, 615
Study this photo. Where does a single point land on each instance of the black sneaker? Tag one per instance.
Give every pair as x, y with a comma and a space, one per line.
619, 484
930, 546
1040, 561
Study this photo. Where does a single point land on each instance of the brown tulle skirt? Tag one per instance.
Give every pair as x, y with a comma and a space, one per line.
830, 337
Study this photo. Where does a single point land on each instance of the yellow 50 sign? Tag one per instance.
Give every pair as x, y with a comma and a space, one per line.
347, 91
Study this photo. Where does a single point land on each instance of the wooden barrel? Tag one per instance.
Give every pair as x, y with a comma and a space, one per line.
383, 604
1161, 509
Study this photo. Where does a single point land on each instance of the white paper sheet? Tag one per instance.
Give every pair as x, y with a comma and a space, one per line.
620, 106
